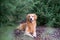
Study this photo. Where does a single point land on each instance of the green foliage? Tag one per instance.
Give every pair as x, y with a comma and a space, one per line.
48, 11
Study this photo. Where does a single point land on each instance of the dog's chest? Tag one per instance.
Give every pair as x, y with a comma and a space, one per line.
30, 27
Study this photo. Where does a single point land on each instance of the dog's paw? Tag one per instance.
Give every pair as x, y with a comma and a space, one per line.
28, 35
34, 35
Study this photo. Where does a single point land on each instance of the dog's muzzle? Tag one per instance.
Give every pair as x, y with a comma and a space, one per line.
31, 20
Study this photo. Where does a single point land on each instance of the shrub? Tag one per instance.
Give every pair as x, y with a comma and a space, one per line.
48, 11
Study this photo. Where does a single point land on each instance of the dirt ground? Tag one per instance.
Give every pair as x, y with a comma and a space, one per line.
45, 33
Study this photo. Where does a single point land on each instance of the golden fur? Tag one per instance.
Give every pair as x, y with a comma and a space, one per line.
30, 25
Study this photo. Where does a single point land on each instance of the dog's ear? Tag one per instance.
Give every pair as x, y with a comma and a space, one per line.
35, 16
27, 17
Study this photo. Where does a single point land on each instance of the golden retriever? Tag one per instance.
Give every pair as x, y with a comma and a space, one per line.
29, 26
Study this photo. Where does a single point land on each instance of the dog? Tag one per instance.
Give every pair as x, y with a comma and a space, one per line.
29, 26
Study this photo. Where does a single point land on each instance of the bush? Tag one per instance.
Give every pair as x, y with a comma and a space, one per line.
48, 11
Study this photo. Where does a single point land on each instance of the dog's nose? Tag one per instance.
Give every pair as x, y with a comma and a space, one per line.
30, 19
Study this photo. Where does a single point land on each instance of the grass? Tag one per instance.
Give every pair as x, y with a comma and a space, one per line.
6, 32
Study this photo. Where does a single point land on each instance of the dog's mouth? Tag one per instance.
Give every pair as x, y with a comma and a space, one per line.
30, 21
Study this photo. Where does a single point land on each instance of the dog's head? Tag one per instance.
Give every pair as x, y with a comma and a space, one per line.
31, 17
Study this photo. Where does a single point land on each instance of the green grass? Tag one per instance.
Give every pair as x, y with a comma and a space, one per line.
6, 33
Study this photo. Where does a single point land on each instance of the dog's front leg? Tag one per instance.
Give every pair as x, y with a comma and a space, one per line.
34, 33
27, 33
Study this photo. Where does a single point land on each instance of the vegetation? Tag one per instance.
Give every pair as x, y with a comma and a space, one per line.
13, 11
